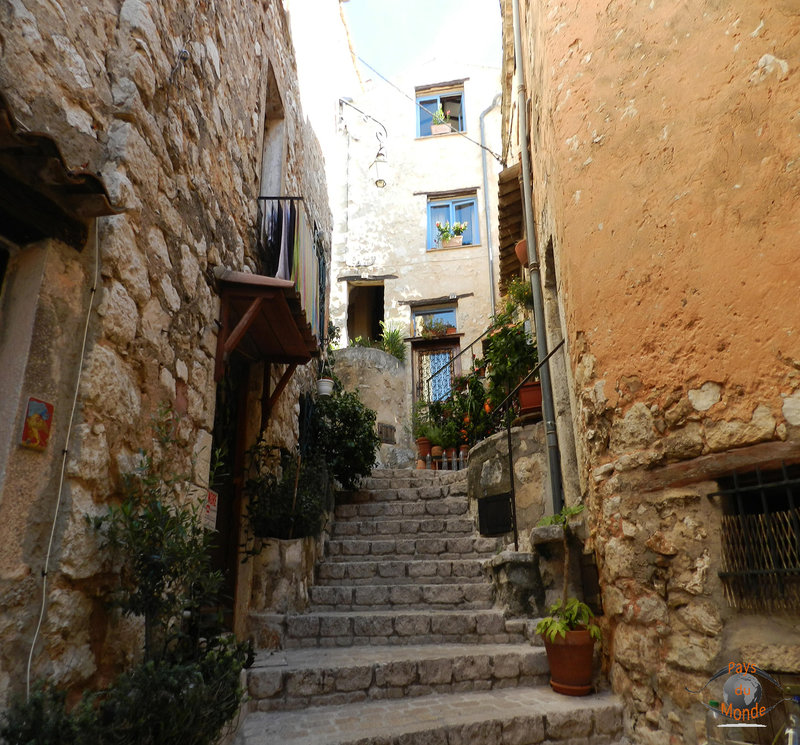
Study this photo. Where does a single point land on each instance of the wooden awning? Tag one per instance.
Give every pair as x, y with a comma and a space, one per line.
510, 221
40, 197
261, 319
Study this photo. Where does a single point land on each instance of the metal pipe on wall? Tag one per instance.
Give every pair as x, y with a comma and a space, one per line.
487, 217
548, 408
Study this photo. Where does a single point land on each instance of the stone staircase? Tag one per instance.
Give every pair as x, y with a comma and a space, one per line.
402, 645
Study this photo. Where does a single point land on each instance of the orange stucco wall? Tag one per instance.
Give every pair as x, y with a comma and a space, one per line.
667, 160
665, 144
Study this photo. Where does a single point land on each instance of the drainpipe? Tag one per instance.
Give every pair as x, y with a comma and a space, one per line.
548, 409
487, 219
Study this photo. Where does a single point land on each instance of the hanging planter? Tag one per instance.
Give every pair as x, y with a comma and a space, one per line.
521, 250
324, 387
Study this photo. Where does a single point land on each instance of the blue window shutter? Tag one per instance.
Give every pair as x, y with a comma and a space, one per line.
440, 212
425, 115
464, 211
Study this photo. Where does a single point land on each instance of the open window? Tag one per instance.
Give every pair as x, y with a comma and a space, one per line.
448, 211
451, 103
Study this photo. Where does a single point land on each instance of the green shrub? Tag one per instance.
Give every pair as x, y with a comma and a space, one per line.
392, 342
343, 432
43, 719
290, 505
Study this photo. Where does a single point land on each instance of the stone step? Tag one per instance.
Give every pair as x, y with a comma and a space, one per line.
412, 596
299, 678
386, 627
393, 549
447, 506
392, 492
411, 479
506, 716
376, 572
404, 526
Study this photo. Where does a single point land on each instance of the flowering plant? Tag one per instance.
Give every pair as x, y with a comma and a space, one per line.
447, 231
440, 116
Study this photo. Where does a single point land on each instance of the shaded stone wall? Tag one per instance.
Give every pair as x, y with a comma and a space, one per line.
380, 380
663, 166
177, 138
488, 475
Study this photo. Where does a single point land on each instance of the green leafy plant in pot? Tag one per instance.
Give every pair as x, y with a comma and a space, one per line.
568, 632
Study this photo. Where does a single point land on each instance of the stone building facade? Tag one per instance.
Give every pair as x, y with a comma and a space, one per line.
386, 263
663, 144
159, 125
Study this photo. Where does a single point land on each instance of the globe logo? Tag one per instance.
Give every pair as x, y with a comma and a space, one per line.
740, 694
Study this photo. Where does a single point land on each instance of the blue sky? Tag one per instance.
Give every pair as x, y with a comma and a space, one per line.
392, 34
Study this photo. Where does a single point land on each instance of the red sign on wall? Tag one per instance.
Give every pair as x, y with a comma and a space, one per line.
38, 422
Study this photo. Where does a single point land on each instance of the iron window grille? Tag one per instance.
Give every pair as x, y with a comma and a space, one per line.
761, 539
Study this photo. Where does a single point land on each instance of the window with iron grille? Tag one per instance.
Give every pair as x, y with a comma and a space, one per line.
761, 539
435, 374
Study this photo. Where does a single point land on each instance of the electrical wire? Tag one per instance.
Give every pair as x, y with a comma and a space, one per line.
491, 152
65, 453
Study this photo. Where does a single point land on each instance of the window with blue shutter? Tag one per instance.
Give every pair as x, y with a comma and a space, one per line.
462, 209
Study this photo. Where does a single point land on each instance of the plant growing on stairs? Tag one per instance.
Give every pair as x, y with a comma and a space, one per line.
568, 632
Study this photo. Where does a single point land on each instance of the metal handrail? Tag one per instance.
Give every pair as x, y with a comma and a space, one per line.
499, 408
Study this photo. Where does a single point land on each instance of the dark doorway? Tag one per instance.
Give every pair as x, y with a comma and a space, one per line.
365, 311
228, 451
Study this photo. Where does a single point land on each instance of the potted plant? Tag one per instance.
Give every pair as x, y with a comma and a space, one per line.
440, 123
435, 435
450, 235
450, 437
420, 428
433, 327
568, 632
510, 357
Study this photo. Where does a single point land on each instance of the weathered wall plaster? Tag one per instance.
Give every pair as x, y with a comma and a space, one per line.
382, 233
664, 151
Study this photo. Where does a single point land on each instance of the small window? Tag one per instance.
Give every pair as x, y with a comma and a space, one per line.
452, 105
449, 211
440, 319
761, 539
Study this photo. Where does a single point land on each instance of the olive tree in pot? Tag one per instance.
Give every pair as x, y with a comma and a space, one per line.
568, 632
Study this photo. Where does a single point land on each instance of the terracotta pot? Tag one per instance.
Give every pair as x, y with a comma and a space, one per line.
570, 660
436, 451
452, 330
450, 453
530, 397
521, 250
440, 129
456, 240
423, 447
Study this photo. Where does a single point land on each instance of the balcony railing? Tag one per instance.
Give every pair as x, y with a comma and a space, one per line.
288, 250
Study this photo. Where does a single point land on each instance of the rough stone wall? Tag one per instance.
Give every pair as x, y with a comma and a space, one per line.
177, 139
380, 380
663, 142
488, 474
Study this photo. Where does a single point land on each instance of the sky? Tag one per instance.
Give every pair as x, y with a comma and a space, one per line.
392, 34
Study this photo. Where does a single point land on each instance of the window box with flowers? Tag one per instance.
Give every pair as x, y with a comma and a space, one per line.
450, 234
